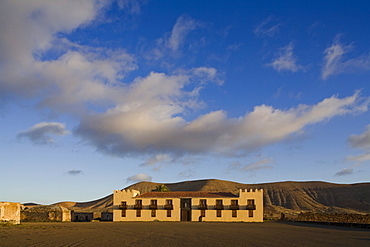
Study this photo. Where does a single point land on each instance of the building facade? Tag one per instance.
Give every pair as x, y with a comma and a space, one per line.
10, 212
131, 205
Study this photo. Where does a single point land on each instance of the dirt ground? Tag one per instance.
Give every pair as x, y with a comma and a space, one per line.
181, 234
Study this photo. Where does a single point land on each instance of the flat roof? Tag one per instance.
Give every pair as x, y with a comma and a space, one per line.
186, 194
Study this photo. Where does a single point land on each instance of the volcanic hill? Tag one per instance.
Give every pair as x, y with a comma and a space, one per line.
287, 197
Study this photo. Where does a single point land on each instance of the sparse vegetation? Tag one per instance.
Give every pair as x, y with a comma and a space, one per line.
162, 188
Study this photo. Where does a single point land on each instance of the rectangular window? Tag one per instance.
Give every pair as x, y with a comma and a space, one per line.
203, 213
234, 202
138, 202
153, 202
169, 202
250, 214
123, 213
153, 213
203, 202
250, 201
138, 213
168, 212
218, 202
218, 212
234, 213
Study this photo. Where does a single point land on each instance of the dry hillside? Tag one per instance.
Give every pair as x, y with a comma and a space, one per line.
288, 197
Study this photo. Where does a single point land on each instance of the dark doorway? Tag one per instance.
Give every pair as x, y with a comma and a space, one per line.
185, 209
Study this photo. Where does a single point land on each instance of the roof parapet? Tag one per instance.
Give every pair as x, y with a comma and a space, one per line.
250, 190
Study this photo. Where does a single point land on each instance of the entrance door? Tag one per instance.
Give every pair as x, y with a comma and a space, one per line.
185, 209
185, 215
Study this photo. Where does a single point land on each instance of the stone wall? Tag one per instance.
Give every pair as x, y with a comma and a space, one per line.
335, 218
46, 214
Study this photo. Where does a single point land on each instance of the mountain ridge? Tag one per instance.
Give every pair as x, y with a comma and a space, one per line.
289, 197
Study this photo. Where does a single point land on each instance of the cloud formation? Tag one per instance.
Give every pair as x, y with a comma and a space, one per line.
171, 44
362, 142
267, 28
183, 26
152, 123
258, 165
74, 172
145, 117
334, 62
41, 132
77, 77
139, 177
285, 60
345, 172
261, 164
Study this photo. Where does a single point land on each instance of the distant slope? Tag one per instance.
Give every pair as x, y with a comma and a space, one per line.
288, 197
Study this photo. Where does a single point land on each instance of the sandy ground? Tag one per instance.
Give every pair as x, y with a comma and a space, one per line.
181, 234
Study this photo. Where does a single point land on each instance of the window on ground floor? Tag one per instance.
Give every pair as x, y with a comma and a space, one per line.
153, 213
123, 213
203, 213
168, 212
250, 214
218, 212
235, 213
138, 213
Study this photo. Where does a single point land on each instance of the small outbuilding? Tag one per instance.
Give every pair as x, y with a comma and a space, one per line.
44, 213
10, 212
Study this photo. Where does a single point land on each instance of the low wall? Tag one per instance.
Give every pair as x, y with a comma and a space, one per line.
334, 218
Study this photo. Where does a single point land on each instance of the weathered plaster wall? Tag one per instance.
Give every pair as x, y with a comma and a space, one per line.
10, 212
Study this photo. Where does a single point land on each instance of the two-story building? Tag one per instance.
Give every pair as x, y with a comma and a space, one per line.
131, 205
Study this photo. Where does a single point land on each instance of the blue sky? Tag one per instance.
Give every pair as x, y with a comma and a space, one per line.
97, 95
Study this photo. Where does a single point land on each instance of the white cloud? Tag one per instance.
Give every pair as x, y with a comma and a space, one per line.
171, 44
183, 26
156, 159
186, 174
262, 163
285, 60
358, 158
344, 172
139, 177
144, 117
150, 122
41, 132
258, 165
29, 29
334, 62
133, 6
362, 140
267, 28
